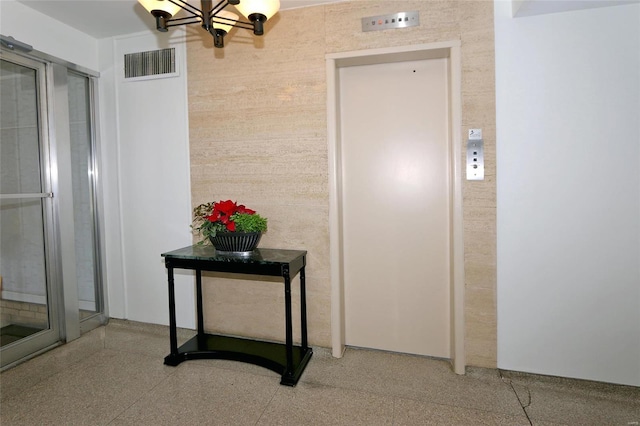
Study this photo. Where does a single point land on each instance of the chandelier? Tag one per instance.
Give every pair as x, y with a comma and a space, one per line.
215, 19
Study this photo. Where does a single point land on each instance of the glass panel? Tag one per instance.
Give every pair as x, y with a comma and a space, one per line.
83, 201
23, 275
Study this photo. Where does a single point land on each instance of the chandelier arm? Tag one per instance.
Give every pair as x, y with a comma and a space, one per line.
186, 7
233, 23
182, 21
217, 8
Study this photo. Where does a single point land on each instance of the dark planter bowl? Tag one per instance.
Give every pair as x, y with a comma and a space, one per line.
235, 243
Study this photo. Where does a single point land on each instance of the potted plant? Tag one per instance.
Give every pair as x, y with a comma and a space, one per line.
229, 226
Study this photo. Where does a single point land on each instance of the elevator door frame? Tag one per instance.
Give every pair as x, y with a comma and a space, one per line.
451, 51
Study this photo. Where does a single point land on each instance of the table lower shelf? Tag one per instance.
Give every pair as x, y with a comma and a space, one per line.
265, 354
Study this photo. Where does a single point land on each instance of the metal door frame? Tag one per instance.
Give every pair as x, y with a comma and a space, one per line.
51, 337
62, 294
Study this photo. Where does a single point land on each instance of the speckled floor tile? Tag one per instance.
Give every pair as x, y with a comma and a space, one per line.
577, 403
148, 339
114, 375
411, 412
320, 405
93, 393
18, 379
413, 377
202, 395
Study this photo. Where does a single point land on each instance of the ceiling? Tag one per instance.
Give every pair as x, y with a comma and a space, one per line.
108, 18
523, 8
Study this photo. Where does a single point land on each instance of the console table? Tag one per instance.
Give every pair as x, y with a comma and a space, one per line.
286, 359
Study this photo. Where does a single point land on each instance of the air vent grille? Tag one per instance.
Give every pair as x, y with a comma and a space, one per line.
150, 63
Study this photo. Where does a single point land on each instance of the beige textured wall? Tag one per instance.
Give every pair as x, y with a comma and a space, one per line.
257, 118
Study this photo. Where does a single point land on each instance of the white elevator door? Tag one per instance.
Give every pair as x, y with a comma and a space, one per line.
395, 206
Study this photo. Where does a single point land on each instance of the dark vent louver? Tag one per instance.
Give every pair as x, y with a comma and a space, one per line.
153, 62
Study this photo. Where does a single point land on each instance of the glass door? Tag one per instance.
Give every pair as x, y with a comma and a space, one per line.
28, 305
83, 177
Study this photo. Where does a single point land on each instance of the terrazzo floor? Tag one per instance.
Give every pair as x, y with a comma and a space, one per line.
114, 375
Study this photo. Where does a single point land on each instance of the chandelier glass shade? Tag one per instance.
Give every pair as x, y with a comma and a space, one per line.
214, 18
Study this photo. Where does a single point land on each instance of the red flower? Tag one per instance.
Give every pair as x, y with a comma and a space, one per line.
223, 210
243, 209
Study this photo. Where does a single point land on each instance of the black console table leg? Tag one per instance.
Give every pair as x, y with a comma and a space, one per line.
289, 325
171, 359
199, 311
303, 310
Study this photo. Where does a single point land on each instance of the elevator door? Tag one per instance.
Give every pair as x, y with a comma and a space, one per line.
396, 206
